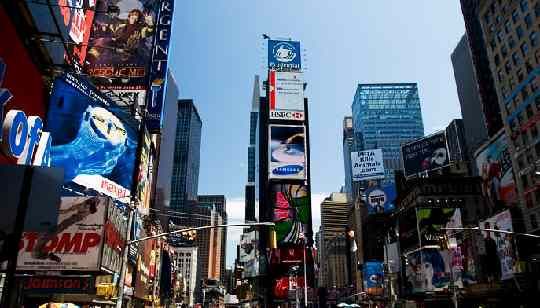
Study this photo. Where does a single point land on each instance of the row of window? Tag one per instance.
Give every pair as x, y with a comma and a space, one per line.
504, 9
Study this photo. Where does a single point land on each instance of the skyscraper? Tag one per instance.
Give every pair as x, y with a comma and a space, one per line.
185, 176
220, 206
469, 97
385, 116
250, 211
351, 143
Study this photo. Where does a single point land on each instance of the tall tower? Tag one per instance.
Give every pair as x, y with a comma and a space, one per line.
250, 213
387, 115
185, 177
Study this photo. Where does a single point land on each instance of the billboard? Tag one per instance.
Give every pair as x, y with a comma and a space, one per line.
495, 168
286, 95
425, 154
94, 141
284, 55
430, 270
121, 42
373, 275
71, 21
287, 152
291, 212
75, 243
500, 248
380, 199
158, 68
143, 174
431, 220
114, 241
249, 254
367, 165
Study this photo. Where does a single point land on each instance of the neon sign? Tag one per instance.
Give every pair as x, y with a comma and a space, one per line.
22, 137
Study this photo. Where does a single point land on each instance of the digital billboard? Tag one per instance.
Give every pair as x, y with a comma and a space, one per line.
94, 141
286, 95
380, 199
143, 174
75, 243
367, 165
494, 165
500, 249
121, 42
249, 254
373, 275
425, 154
114, 240
287, 152
429, 270
284, 55
291, 212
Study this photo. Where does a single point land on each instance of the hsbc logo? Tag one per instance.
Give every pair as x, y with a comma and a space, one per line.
287, 115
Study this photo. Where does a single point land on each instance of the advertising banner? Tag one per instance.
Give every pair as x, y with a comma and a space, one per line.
143, 179
380, 199
431, 220
132, 101
114, 239
287, 152
500, 249
71, 20
121, 42
64, 285
249, 254
430, 270
495, 167
373, 274
94, 141
367, 165
291, 212
284, 55
75, 243
425, 154
286, 95
158, 70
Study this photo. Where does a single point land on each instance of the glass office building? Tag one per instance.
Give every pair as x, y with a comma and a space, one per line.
386, 116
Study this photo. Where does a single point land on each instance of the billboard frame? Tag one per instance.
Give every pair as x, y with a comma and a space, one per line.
414, 175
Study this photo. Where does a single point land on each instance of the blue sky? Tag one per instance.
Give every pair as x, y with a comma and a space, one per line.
217, 49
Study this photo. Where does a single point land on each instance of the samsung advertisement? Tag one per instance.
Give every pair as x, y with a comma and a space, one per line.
287, 152
93, 141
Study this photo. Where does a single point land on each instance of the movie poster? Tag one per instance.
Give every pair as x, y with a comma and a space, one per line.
431, 270
121, 42
431, 220
291, 211
500, 248
93, 140
74, 244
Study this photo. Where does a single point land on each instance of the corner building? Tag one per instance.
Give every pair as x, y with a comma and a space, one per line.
512, 36
385, 116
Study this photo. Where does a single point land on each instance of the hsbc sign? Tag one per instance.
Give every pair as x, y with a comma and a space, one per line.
286, 95
287, 115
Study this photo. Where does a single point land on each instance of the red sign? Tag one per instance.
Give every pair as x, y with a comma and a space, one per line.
48, 284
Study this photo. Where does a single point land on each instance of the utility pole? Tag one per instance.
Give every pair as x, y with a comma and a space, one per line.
124, 260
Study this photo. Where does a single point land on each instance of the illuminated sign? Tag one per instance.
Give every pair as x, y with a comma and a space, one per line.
22, 137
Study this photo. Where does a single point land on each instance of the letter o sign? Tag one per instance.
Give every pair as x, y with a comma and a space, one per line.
15, 132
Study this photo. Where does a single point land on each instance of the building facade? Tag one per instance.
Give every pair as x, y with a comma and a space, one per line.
220, 215
187, 266
469, 97
512, 39
250, 210
387, 115
333, 246
185, 177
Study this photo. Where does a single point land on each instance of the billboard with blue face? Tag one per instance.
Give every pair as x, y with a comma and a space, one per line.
284, 55
93, 140
380, 199
373, 274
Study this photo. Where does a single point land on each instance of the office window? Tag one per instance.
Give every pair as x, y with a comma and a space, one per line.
528, 21
511, 42
500, 75
497, 60
507, 26
519, 32
504, 51
520, 75
507, 67
499, 36
516, 59
524, 5
537, 9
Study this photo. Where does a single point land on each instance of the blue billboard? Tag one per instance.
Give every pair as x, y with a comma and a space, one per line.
373, 274
284, 55
380, 199
92, 139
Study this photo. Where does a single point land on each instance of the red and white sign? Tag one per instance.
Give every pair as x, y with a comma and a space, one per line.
286, 95
74, 245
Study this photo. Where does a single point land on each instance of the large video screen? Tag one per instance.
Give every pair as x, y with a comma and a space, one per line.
291, 212
287, 152
93, 140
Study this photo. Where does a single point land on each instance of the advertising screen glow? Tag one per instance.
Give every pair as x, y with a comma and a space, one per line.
287, 152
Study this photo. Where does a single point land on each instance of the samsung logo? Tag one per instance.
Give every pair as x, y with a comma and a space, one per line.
288, 170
